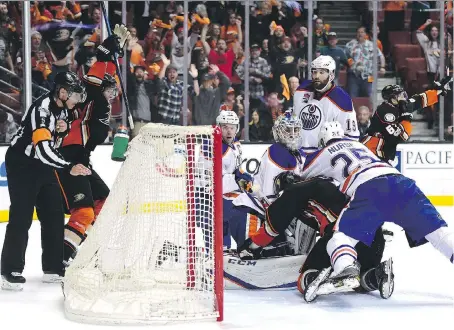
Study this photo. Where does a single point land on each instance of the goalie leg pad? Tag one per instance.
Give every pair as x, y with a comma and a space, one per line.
270, 273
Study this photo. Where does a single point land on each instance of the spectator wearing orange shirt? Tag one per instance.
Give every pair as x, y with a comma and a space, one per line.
232, 31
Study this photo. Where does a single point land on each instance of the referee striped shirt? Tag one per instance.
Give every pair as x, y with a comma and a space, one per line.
36, 136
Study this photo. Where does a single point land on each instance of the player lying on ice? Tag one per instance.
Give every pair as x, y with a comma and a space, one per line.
286, 221
377, 192
279, 216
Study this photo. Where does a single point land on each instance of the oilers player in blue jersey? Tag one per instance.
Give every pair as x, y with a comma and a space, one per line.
378, 193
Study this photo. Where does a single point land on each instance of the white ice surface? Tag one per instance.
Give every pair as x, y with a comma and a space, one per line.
423, 299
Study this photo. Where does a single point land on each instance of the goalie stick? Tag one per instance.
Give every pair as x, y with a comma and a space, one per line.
117, 66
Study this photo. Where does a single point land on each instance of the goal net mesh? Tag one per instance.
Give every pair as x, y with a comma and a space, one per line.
151, 254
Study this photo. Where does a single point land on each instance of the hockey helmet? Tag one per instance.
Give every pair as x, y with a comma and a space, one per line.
287, 130
391, 92
325, 62
71, 83
228, 117
329, 131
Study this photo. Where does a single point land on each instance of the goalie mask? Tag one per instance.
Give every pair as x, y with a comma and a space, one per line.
287, 130
330, 131
323, 70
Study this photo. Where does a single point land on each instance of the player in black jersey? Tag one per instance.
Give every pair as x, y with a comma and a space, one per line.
391, 122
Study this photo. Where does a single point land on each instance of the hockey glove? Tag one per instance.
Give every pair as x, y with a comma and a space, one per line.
244, 180
443, 86
285, 179
105, 52
406, 110
121, 31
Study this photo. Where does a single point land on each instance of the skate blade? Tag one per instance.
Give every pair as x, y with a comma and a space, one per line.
311, 291
12, 286
52, 278
338, 286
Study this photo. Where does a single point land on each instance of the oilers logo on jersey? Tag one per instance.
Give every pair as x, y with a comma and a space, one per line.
314, 109
311, 116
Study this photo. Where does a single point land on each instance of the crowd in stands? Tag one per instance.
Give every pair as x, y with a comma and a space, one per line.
65, 35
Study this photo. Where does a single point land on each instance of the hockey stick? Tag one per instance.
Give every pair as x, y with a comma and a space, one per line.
117, 66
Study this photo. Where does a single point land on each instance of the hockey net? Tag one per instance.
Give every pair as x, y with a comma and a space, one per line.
155, 251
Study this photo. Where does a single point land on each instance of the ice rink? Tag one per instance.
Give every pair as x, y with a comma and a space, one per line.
423, 298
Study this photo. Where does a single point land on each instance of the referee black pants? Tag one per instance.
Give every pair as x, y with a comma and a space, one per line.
32, 183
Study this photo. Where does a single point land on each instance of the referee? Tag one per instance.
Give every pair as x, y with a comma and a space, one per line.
31, 161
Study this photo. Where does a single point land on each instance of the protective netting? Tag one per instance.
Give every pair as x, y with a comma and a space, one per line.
151, 253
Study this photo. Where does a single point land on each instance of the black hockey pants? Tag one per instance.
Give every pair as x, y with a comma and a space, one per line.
32, 183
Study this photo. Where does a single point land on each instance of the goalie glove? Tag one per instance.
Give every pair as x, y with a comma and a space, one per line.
244, 180
285, 179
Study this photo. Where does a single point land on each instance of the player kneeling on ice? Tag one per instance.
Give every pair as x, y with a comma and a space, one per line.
279, 216
374, 187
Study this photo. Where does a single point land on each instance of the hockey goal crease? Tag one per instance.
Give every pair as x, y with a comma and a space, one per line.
155, 251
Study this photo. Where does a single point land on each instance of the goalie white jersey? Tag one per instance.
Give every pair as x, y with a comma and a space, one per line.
349, 162
314, 110
276, 159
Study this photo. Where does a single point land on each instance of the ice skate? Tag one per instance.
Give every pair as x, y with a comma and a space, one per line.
52, 278
385, 278
380, 278
13, 282
345, 281
311, 290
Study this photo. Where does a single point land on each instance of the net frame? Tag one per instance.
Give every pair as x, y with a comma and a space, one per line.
191, 134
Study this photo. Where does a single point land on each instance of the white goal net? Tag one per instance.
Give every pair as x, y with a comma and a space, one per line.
155, 251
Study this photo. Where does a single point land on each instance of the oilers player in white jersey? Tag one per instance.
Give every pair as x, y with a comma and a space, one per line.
284, 155
319, 100
378, 193
233, 178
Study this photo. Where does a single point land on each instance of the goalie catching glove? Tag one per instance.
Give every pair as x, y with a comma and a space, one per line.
113, 44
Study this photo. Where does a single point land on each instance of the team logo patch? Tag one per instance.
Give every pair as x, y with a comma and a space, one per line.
78, 197
389, 117
311, 116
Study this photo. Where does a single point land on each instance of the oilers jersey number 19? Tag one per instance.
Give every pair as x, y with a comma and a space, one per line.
314, 109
